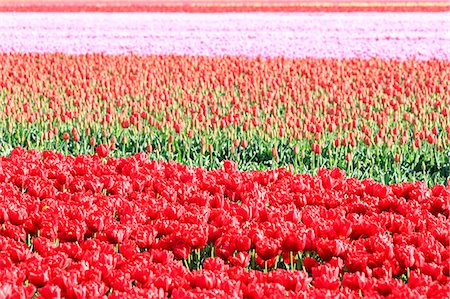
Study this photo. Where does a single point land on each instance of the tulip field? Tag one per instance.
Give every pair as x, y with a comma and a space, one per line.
224, 149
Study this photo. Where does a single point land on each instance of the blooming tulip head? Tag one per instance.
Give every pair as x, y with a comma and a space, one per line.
102, 150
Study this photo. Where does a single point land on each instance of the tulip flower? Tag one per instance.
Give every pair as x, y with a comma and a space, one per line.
102, 150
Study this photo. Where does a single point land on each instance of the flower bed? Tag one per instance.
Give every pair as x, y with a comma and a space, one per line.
382, 119
291, 35
133, 227
117, 131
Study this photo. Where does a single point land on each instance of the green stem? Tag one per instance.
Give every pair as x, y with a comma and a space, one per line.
291, 259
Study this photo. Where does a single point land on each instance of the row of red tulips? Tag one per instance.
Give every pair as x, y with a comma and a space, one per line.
299, 97
88, 226
388, 116
365, 100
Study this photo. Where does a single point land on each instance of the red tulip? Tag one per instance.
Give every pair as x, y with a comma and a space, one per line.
50, 291
354, 281
274, 152
267, 249
102, 150
125, 123
317, 149
326, 277
240, 260
293, 243
39, 276
92, 141
66, 136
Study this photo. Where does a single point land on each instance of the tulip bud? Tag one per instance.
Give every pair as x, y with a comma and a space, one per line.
245, 126
291, 168
125, 123
66, 136
274, 152
336, 142
317, 148
281, 132
348, 157
331, 127
417, 143
435, 130
76, 136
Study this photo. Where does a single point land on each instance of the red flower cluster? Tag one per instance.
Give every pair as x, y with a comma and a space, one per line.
345, 103
85, 226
